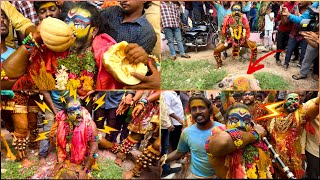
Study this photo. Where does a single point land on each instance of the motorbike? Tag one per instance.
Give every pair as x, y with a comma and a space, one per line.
201, 35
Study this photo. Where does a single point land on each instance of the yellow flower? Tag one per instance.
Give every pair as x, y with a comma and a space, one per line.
251, 173
87, 83
74, 83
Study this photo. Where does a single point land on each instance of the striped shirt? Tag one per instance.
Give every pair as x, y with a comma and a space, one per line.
170, 15
27, 10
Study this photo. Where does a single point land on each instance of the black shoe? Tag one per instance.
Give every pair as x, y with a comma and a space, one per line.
278, 62
170, 171
285, 66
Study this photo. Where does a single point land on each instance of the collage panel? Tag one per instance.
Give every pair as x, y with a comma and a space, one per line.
63, 135
84, 45
216, 134
240, 45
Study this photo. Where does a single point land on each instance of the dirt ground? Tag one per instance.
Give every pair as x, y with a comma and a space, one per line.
42, 172
236, 67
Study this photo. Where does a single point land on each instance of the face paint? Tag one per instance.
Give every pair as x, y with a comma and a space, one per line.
74, 112
239, 118
236, 10
80, 21
199, 111
292, 102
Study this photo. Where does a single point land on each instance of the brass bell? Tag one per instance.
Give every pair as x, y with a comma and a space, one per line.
157, 158
144, 166
150, 164
149, 155
137, 161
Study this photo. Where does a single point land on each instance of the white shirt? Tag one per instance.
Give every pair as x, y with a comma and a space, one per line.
174, 106
268, 24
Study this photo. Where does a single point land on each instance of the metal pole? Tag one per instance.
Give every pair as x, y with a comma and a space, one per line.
276, 156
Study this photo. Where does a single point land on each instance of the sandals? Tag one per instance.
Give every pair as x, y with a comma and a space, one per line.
298, 76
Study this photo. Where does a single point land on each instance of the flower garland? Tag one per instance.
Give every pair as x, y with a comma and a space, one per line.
237, 33
76, 72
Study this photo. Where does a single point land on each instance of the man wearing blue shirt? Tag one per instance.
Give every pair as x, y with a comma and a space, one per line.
193, 139
311, 52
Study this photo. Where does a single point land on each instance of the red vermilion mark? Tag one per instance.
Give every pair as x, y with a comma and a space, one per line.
253, 67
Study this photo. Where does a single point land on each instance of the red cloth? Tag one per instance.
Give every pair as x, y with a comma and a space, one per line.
105, 80
81, 135
286, 27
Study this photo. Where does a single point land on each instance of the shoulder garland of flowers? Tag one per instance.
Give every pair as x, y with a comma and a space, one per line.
76, 71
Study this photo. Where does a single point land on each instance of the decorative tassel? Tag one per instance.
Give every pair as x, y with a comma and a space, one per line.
43, 80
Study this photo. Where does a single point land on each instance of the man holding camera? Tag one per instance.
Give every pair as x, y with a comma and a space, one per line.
312, 51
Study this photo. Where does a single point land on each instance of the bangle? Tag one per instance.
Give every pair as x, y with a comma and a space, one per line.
86, 170
144, 101
236, 136
256, 135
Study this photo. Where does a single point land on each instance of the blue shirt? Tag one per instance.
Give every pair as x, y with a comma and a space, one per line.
138, 31
6, 54
56, 99
253, 13
221, 12
112, 99
246, 8
193, 139
305, 15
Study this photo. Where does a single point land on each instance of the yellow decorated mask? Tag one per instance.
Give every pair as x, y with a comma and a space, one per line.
239, 118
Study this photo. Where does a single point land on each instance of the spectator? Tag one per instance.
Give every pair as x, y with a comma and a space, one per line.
222, 11
295, 40
128, 22
268, 28
253, 16
283, 30
6, 51
246, 5
193, 139
170, 22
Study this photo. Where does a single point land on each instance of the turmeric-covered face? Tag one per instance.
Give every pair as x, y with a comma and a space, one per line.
74, 112
239, 118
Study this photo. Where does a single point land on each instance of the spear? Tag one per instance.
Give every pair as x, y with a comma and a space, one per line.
276, 156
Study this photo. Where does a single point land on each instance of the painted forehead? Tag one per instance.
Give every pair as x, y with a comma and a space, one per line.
197, 102
293, 95
241, 111
73, 104
80, 14
47, 5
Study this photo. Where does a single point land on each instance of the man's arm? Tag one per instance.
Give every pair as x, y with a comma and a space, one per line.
18, 21
175, 155
93, 144
222, 143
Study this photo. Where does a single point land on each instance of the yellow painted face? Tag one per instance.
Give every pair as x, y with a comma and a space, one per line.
239, 118
80, 21
74, 112
199, 111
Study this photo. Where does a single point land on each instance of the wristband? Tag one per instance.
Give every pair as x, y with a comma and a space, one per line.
236, 136
256, 135
144, 101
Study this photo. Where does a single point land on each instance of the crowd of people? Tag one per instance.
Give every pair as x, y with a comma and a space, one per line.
228, 134
74, 126
278, 23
